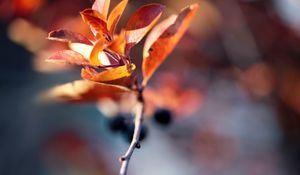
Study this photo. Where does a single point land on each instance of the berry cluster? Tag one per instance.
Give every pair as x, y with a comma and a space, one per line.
124, 124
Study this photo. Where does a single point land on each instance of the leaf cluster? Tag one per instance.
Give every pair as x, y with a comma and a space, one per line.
105, 58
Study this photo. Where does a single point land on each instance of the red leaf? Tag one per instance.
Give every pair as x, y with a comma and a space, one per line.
68, 57
68, 36
157, 32
141, 22
96, 21
102, 6
167, 40
115, 15
83, 91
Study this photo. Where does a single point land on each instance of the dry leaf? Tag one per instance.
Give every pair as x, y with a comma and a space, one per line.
166, 42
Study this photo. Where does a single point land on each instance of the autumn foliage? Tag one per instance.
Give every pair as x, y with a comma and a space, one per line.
105, 58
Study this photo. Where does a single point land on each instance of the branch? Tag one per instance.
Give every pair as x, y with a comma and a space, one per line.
136, 135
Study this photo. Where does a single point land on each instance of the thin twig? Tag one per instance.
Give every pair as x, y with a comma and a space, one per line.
139, 108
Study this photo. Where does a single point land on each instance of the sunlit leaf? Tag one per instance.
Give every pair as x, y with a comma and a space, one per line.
96, 21
83, 49
111, 58
115, 15
68, 36
92, 75
165, 43
68, 57
141, 22
118, 44
108, 75
83, 91
106, 57
156, 32
98, 47
102, 6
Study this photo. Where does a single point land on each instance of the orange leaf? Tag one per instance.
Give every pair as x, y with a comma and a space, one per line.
118, 44
107, 57
98, 47
91, 74
68, 36
168, 37
108, 75
141, 22
157, 31
83, 91
115, 15
102, 6
68, 56
96, 21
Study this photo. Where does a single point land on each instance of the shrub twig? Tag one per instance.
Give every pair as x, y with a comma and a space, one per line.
138, 119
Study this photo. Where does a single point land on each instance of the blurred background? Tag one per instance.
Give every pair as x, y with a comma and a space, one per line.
233, 85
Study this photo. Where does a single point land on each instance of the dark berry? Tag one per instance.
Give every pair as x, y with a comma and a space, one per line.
117, 123
163, 116
144, 132
128, 133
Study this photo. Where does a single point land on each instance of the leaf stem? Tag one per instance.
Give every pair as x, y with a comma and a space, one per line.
139, 110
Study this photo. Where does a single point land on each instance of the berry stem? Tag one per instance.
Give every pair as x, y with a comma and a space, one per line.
138, 119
